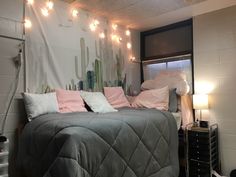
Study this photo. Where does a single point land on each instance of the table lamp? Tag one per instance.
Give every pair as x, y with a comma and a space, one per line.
200, 102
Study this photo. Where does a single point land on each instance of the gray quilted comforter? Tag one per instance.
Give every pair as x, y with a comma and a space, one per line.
128, 143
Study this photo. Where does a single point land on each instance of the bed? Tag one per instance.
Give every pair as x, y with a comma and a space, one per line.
127, 143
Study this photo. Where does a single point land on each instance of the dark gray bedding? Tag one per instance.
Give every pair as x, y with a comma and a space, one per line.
128, 143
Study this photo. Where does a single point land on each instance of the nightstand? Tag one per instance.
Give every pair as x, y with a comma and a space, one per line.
182, 155
202, 150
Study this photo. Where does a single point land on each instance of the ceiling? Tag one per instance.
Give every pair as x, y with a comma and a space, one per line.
147, 14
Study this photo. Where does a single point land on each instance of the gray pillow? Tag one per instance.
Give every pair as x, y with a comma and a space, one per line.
173, 101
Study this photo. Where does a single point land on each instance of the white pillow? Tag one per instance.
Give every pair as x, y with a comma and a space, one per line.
182, 88
97, 102
38, 104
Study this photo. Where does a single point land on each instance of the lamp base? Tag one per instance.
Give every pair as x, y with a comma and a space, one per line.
195, 124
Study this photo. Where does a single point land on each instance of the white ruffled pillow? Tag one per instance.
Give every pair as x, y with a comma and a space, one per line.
38, 104
172, 79
182, 88
97, 102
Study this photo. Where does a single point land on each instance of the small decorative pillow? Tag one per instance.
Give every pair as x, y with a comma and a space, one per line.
38, 104
156, 98
116, 97
70, 101
97, 102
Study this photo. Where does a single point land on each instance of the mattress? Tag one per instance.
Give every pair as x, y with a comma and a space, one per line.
127, 143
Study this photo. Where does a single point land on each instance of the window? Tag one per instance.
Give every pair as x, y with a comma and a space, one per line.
167, 48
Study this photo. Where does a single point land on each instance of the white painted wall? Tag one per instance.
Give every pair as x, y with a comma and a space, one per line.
214, 63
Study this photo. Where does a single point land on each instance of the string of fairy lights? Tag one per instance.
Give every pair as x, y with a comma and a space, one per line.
48, 7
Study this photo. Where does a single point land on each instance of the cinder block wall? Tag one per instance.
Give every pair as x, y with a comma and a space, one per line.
11, 13
214, 63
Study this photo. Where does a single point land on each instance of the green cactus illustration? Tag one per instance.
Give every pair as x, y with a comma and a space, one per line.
98, 55
103, 50
104, 53
105, 84
119, 67
98, 75
107, 71
108, 55
81, 85
99, 64
124, 84
84, 62
107, 49
112, 66
46, 88
91, 80
87, 62
73, 86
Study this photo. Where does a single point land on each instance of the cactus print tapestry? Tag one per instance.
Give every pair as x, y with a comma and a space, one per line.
62, 52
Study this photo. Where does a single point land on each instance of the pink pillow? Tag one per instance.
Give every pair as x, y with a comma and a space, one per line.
156, 98
116, 97
70, 101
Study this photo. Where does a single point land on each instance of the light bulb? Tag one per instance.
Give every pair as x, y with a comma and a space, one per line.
118, 39
127, 32
45, 12
132, 58
49, 5
92, 27
28, 23
102, 35
113, 37
30, 2
75, 12
129, 45
96, 22
114, 26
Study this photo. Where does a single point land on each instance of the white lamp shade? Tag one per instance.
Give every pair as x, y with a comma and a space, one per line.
200, 102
